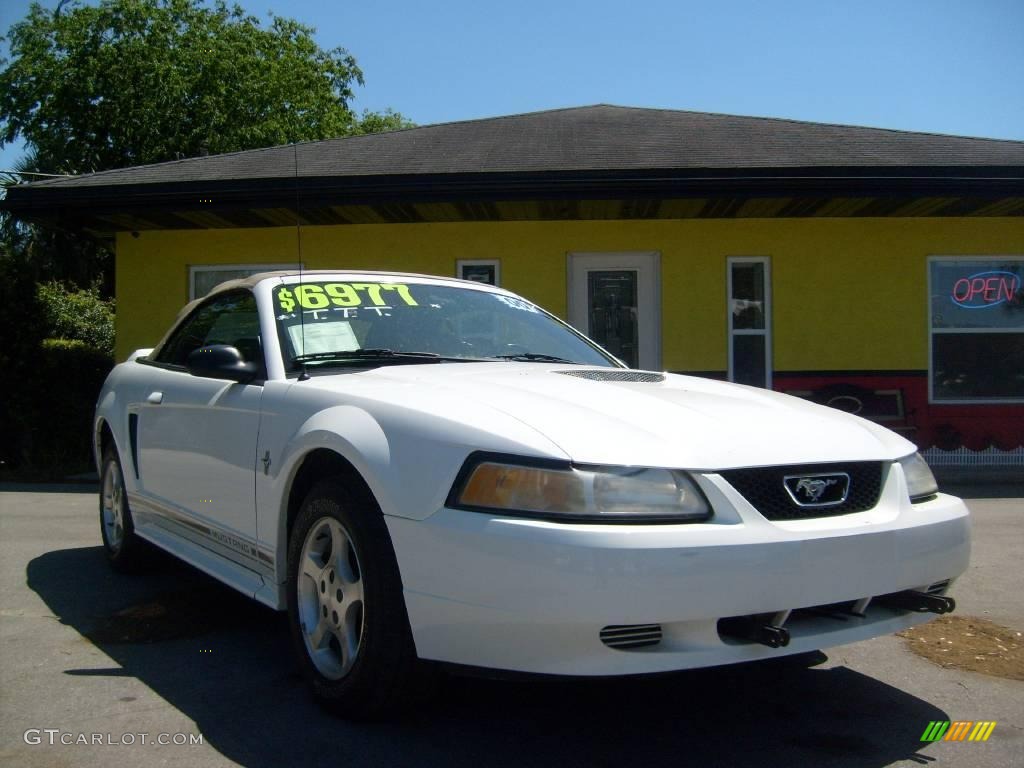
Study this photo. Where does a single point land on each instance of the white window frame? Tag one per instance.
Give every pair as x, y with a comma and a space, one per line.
496, 263
253, 269
767, 330
931, 330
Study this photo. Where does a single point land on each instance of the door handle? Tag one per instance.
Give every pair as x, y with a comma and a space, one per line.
155, 398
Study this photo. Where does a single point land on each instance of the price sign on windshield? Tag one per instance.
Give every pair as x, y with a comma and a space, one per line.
316, 296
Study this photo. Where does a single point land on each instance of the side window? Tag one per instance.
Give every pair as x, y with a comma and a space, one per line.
229, 319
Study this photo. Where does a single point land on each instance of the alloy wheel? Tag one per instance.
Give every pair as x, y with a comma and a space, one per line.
330, 598
113, 507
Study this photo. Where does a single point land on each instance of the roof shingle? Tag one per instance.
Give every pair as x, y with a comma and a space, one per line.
594, 138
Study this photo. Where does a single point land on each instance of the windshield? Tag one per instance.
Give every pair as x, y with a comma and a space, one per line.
383, 322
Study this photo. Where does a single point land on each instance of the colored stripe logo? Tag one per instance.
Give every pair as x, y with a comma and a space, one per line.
958, 730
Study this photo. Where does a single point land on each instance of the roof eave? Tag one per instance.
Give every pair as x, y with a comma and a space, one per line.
985, 181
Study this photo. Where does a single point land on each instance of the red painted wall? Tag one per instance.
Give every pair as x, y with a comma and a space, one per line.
946, 426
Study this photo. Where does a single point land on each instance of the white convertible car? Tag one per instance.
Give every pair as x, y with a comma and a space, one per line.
419, 468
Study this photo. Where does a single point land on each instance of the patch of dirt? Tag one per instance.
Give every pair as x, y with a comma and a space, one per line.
965, 642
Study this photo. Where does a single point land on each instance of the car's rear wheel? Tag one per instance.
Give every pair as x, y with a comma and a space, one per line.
123, 547
345, 606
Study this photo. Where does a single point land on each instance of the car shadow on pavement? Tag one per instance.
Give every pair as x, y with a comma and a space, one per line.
13, 487
226, 663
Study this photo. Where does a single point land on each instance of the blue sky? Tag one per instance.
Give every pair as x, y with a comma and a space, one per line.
921, 65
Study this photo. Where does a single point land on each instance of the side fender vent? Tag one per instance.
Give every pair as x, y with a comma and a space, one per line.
133, 440
627, 637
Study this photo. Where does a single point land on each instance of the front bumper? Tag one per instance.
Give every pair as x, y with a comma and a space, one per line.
533, 596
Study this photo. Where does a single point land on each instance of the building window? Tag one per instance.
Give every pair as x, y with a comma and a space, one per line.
749, 309
203, 279
479, 270
976, 327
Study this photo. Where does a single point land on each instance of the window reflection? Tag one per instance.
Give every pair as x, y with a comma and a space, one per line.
612, 300
747, 296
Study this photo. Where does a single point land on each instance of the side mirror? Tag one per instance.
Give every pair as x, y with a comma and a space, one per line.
221, 361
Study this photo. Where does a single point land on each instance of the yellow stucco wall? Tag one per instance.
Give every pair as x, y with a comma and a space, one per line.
847, 293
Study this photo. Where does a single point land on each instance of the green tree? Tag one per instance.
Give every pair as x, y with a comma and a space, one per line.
130, 82
51, 253
77, 314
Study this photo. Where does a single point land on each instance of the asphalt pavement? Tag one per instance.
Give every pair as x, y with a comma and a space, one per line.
173, 656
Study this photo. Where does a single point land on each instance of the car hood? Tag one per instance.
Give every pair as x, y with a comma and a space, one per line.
673, 421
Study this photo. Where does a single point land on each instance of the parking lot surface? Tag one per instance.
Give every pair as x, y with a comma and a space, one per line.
173, 655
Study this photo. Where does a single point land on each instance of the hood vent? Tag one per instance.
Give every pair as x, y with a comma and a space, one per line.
615, 374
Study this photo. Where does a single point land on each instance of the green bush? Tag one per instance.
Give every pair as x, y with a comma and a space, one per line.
77, 314
57, 349
19, 349
57, 437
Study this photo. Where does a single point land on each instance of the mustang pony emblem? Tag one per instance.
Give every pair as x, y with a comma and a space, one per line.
813, 488
818, 490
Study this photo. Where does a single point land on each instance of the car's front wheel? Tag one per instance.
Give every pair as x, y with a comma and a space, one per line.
117, 529
345, 606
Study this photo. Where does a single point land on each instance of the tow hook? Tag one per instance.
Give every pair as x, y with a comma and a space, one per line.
754, 629
772, 636
920, 602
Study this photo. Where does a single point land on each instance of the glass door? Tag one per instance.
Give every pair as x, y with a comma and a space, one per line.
614, 298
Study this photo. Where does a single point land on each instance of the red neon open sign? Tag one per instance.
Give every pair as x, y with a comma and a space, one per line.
985, 289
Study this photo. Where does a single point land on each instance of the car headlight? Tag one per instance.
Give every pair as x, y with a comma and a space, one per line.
920, 480
562, 491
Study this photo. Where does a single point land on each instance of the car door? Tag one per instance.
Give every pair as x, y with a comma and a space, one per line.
197, 436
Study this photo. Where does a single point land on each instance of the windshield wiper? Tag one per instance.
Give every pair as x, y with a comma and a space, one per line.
387, 356
378, 356
535, 357
363, 354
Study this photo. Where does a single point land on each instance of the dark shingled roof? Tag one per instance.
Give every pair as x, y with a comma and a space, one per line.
583, 139
598, 162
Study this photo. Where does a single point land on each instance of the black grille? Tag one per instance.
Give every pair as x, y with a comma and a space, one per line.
763, 487
642, 377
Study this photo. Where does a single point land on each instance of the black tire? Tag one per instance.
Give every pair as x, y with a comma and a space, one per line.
125, 551
364, 602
